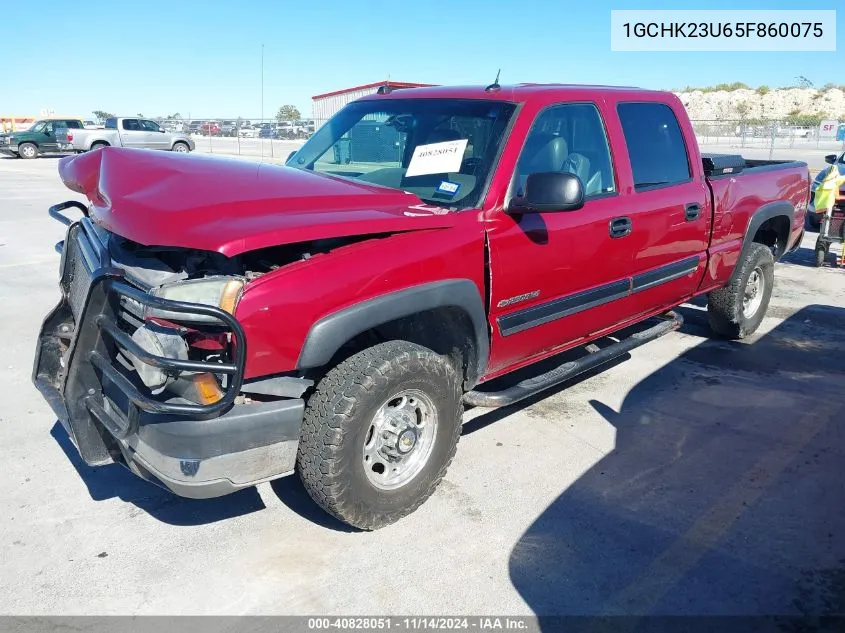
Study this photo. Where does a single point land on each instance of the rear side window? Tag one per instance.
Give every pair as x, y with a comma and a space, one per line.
132, 125
111, 124
75, 125
655, 144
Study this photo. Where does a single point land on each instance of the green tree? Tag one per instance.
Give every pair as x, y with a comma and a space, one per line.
742, 109
102, 115
763, 91
803, 82
288, 113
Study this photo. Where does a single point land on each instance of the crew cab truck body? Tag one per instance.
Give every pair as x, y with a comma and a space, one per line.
224, 323
45, 136
131, 132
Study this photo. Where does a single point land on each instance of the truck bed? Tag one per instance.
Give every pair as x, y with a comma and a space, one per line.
718, 165
739, 187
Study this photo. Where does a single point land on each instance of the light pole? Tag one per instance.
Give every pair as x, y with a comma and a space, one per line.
262, 95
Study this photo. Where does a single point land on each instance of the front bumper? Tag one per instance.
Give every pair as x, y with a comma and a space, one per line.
194, 450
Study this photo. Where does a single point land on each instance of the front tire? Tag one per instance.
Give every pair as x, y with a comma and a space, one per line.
379, 433
737, 310
28, 151
181, 147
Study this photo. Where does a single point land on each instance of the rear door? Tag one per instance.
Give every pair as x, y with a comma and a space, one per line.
133, 135
560, 276
668, 205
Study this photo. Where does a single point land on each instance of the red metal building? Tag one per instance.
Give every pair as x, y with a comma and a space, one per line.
324, 106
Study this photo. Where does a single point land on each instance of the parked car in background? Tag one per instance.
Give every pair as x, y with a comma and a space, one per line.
130, 132
267, 132
45, 136
210, 128
220, 325
173, 126
248, 132
228, 128
92, 125
195, 127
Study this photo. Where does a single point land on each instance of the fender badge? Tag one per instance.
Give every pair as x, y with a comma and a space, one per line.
518, 298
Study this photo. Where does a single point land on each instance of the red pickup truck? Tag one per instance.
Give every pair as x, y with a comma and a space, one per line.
224, 323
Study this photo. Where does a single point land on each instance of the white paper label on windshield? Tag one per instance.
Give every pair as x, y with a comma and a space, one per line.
437, 158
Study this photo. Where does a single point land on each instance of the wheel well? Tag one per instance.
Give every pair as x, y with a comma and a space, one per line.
774, 233
446, 330
95, 143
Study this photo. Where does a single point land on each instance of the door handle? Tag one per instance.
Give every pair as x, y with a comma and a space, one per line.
620, 227
692, 211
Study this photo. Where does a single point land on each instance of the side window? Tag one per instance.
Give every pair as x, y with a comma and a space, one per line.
150, 126
655, 144
131, 125
569, 138
74, 125
110, 124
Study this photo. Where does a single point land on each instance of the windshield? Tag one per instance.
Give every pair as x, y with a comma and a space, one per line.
439, 149
38, 126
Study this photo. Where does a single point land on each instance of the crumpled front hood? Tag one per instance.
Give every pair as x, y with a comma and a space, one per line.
233, 206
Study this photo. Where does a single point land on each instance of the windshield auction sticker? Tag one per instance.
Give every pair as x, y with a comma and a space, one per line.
706, 30
437, 158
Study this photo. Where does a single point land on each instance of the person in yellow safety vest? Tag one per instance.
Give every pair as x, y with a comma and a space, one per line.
828, 190
827, 193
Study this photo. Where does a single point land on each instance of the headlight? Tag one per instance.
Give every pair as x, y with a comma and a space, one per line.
220, 292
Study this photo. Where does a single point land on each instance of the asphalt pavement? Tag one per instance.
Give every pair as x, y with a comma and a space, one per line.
692, 477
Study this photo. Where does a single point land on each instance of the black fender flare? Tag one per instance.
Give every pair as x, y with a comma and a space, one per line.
332, 331
766, 212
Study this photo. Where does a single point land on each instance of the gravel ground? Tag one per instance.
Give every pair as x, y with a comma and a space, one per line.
693, 477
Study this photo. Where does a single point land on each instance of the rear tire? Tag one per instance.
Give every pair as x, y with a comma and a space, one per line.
98, 145
379, 433
737, 310
181, 147
821, 256
28, 151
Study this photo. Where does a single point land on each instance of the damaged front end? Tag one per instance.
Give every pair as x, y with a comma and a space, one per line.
143, 363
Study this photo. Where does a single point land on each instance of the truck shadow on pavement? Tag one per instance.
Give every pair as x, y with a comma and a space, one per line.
724, 493
108, 482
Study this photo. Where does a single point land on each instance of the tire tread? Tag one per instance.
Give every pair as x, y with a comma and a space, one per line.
331, 413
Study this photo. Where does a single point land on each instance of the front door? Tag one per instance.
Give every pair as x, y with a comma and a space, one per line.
133, 135
47, 142
560, 276
157, 138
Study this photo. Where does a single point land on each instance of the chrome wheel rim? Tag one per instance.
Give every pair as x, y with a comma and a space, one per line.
753, 295
28, 151
181, 147
399, 439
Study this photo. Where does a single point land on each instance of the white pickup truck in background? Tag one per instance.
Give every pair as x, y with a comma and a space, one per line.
130, 132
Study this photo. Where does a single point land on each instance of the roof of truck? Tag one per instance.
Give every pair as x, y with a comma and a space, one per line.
517, 92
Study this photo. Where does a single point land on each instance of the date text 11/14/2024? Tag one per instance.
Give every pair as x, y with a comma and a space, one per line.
420, 623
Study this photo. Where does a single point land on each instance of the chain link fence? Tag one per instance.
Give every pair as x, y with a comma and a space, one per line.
778, 138
273, 140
